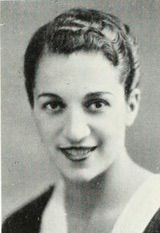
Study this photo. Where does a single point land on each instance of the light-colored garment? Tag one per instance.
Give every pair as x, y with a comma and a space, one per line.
138, 212
141, 208
54, 216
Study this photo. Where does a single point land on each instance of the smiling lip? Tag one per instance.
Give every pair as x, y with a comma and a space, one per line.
77, 153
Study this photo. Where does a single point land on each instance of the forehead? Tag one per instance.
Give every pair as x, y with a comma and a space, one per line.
78, 71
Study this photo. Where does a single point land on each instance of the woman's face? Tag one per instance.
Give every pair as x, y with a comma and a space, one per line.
81, 113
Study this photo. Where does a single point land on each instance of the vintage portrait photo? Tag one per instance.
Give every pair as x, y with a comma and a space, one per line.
80, 116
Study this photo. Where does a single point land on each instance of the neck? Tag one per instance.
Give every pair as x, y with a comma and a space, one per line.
109, 191
85, 196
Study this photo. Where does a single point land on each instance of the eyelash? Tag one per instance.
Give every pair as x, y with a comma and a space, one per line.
52, 105
58, 106
93, 102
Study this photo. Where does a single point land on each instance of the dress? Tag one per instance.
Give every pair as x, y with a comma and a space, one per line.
141, 215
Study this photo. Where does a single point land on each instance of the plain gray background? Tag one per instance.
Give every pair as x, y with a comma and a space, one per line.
25, 168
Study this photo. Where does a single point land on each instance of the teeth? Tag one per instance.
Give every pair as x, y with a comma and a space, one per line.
77, 154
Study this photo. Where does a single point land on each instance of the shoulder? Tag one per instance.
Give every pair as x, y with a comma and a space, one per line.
148, 204
142, 212
27, 219
154, 224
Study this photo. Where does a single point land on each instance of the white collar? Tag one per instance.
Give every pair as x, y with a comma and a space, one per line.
54, 216
135, 217
141, 208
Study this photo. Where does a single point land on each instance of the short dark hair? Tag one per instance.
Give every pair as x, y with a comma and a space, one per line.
84, 30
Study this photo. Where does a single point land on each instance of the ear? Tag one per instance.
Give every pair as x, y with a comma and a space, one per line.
133, 103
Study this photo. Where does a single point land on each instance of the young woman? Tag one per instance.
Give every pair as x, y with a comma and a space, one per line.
82, 75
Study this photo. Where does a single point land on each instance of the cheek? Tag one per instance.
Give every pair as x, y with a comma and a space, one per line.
109, 123
110, 129
48, 128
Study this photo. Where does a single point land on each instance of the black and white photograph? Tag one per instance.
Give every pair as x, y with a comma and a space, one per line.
80, 109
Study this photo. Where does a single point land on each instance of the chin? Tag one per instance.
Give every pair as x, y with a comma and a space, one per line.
84, 171
82, 176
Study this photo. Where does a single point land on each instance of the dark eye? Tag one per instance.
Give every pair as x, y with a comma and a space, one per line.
54, 106
97, 105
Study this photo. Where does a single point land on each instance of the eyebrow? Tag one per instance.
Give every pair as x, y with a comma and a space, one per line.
96, 94
88, 96
51, 95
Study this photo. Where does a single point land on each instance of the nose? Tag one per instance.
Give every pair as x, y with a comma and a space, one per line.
76, 127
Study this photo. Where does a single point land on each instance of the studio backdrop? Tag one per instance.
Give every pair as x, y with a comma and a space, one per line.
25, 167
